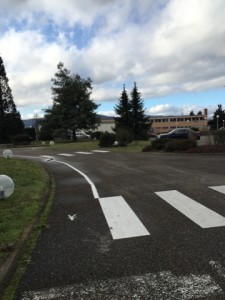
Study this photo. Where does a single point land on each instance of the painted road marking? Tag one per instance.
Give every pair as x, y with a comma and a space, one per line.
93, 187
66, 154
219, 188
162, 285
100, 151
86, 153
72, 217
198, 213
122, 221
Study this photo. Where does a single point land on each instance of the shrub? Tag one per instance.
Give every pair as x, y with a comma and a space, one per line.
159, 144
124, 136
95, 135
147, 148
107, 139
170, 145
22, 139
219, 137
180, 145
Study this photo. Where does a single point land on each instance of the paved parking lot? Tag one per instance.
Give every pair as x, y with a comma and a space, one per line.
131, 226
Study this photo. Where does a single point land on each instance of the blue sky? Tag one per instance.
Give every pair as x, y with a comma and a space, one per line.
173, 49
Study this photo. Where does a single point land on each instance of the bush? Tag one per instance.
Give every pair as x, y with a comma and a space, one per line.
159, 144
170, 145
180, 145
107, 139
219, 137
147, 148
22, 139
124, 136
95, 135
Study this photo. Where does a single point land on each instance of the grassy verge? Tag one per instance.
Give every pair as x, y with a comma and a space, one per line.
135, 146
17, 211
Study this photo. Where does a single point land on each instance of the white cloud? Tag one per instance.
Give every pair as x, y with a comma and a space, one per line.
166, 46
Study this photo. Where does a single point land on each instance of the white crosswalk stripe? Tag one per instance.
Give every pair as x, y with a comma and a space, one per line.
66, 154
220, 188
100, 151
122, 221
198, 213
85, 153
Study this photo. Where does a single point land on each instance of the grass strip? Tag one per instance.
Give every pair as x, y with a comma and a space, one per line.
20, 212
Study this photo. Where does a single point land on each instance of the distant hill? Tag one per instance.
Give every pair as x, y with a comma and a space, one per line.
31, 122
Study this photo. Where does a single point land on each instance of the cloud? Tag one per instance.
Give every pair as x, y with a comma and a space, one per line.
167, 46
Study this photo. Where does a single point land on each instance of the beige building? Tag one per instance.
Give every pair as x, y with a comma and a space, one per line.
106, 125
162, 124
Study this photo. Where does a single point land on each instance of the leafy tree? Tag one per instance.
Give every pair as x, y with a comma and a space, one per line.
72, 107
123, 109
10, 120
139, 121
192, 113
199, 113
221, 116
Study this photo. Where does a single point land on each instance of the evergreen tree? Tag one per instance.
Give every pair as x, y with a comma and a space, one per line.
139, 121
192, 113
72, 107
220, 112
10, 120
123, 109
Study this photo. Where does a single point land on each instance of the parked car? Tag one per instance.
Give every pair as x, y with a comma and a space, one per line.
180, 133
82, 135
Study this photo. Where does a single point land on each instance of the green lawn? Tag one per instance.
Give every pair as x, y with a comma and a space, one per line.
135, 146
18, 210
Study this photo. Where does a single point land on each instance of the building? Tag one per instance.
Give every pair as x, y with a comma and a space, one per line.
162, 124
107, 124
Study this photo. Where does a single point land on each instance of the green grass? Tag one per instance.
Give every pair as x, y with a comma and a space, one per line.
18, 210
28, 250
135, 146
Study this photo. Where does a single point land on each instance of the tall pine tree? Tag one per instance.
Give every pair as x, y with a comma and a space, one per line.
139, 121
10, 120
72, 107
123, 110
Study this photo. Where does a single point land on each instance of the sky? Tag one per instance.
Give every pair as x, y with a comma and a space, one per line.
173, 49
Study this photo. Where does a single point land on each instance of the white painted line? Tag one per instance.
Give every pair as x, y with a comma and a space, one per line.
198, 213
100, 151
46, 156
94, 190
86, 153
122, 221
219, 188
66, 154
162, 285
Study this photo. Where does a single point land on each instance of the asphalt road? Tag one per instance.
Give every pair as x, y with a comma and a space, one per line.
78, 256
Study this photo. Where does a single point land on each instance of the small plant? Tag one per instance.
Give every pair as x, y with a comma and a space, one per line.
107, 139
